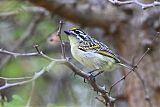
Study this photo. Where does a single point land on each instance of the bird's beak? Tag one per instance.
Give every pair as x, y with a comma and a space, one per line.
67, 32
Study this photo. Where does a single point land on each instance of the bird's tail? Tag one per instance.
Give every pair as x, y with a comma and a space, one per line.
125, 63
128, 66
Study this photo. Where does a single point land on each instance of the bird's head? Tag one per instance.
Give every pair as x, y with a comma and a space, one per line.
76, 35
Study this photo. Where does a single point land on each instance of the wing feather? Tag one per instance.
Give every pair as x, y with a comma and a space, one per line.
91, 44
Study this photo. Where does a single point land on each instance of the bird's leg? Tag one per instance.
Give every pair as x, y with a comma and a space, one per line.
91, 75
84, 80
90, 72
98, 73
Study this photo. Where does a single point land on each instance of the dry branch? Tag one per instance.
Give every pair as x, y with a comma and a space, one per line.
15, 54
137, 2
77, 71
86, 17
30, 9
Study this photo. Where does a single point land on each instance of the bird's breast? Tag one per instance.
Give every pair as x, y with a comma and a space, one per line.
92, 60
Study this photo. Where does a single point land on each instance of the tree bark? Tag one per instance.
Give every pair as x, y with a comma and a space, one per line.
132, 41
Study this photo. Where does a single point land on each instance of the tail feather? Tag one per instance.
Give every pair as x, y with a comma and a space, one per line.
128, 66
123, 62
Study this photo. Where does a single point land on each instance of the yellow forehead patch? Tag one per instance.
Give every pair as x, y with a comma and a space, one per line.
74, 28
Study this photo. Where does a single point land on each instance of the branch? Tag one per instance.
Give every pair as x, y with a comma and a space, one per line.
35, 76
85, 17
29, 79
24, 9
142, 5
59, 35
14, 54
31, 95
77, 71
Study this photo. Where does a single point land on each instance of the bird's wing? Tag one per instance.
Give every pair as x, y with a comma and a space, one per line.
104, 50
97, 47
88, 46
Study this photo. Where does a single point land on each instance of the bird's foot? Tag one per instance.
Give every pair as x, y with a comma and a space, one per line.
92, 77
90, 72
98, 73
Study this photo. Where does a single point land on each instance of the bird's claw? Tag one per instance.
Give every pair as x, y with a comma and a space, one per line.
92, 77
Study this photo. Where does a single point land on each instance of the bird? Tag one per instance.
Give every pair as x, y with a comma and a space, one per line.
92, 53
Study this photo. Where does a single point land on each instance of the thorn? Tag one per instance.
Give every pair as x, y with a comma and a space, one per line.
36, 46
90, 72
60, 27
99, 73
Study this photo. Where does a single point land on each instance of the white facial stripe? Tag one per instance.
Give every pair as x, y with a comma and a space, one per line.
79, 38
73, 33
84, 35
81, 32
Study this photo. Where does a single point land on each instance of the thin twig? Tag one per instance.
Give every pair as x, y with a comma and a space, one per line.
110, 89
36, 47
35, 76
144, 54
142, 5
31, 95
147, 97
59, 34
15, 54
13, 79
101, 100
31, 9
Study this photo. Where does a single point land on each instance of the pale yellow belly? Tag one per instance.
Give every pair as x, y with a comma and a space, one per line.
93, 60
